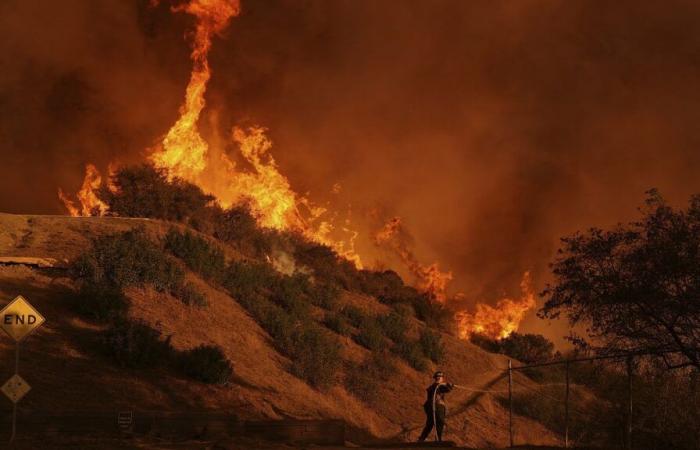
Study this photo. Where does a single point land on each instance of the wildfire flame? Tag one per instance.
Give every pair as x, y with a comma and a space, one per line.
429, 278
185, 154
500, 321
90, 204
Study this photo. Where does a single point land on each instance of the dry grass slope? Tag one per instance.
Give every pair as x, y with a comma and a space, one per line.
67, 375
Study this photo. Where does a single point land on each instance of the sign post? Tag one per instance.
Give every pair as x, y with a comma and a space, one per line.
18, 319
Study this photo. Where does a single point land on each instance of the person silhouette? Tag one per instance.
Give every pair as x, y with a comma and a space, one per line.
435, 407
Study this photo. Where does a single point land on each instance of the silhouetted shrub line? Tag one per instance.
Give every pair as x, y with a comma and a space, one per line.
118, 261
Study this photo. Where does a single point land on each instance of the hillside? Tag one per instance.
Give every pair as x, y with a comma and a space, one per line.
67, 373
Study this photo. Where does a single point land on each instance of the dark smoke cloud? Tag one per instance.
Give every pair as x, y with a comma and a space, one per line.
492, 128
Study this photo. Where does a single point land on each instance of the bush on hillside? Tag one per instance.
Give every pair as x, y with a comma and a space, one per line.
145, 191
243, 279
101, 301
412, 353
237, 227
324, 295
315, 356
135, 344
370, 334
528, 348
326, 264
127, 259
197, 253
188, 294
394, 325
431, 344
354, 315
385, 285
364, 380
206, 363
337, 323
290, 292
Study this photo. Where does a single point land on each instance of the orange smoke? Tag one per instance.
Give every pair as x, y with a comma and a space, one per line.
429, 278
500, 321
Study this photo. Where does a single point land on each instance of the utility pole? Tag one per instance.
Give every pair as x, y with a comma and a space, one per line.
510, 401
628, 427
566, 409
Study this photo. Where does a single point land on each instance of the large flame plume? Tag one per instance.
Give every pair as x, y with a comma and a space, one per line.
185, 154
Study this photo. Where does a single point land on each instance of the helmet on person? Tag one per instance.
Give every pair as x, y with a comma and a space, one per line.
438, 374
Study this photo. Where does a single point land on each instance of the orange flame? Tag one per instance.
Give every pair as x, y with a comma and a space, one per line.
183, 149
500, 321
90, 204
185, 154
429, 278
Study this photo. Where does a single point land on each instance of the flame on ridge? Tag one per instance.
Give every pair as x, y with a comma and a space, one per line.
429, 278
184, 153
500, 321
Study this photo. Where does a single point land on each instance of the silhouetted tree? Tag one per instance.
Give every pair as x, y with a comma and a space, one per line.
635, 287
145, 191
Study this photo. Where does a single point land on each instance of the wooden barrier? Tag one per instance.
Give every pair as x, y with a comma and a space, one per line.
178, 425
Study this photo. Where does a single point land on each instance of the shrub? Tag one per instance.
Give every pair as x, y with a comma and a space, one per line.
431, 344
394, 325
315, 356
528, 348
354, 315
245, 278
485, 342
385, 286
237, 227
433, 313
125, 259
190, 295
370, 334
280, 325
144, 191
206, 363
324, 295
326, 263
337, 323
135, 344
412, 353
290, 293
101, 301
197, 253
363, 380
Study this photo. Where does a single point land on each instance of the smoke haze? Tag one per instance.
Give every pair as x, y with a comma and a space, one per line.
490, 128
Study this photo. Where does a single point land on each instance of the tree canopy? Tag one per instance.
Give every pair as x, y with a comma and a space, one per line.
635, 287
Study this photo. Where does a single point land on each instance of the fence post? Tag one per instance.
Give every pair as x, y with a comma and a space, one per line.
628, 427
510, 401
566, 409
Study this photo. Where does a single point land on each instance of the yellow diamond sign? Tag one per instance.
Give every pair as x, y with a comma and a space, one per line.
19, 318
15, 388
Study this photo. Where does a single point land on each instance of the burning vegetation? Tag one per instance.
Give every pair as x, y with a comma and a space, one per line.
184, 156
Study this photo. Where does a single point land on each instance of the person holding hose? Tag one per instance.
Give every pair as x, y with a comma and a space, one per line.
434, 406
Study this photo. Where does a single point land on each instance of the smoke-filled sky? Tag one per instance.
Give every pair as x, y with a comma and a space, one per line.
491, 128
